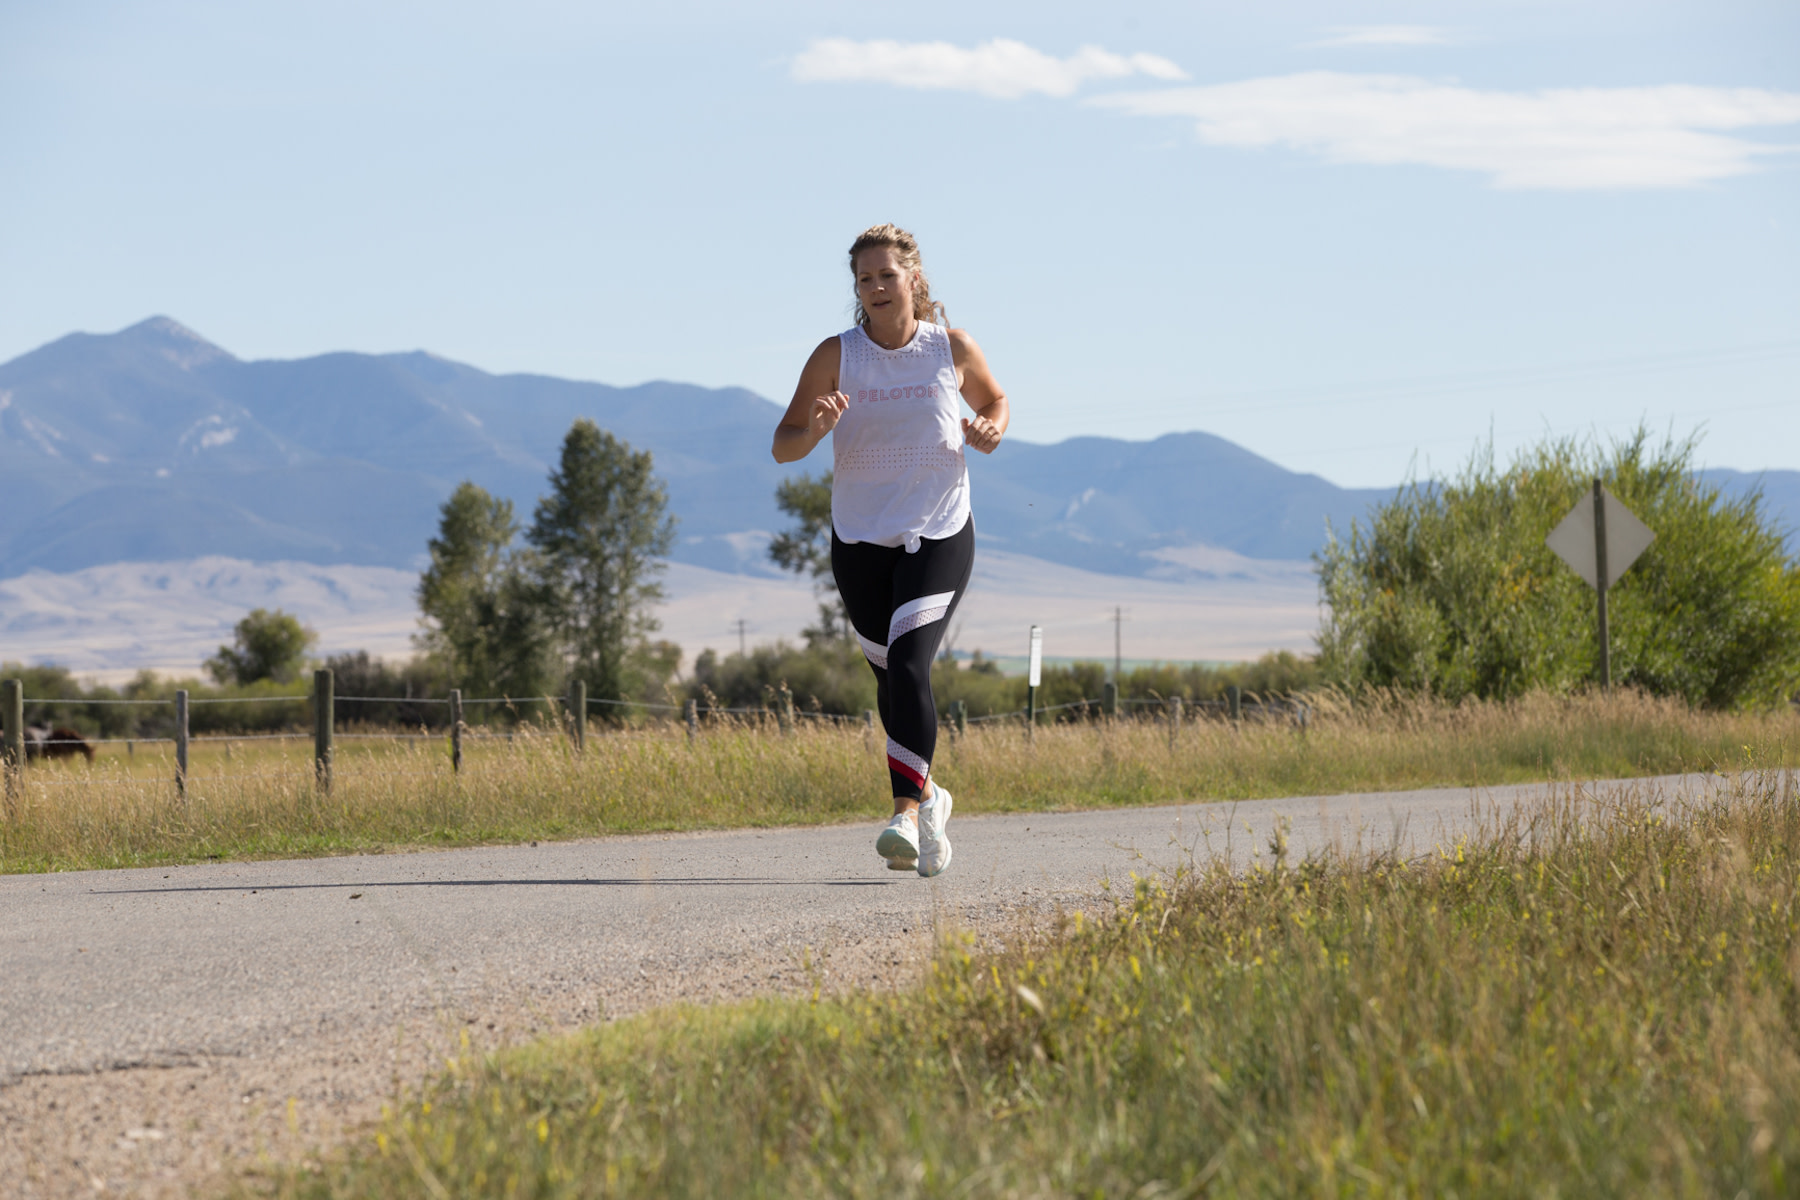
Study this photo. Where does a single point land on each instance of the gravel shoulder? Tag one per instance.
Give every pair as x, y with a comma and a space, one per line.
172, 1026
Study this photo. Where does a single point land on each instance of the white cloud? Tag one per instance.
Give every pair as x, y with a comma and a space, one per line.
1001, 68
1384, 35
1568, 138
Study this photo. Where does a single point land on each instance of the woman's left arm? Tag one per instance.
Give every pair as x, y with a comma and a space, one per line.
982, 391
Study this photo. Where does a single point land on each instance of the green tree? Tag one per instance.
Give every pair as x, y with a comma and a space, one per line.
268, 645
484, 615
805, 549
1451, 588
600, 536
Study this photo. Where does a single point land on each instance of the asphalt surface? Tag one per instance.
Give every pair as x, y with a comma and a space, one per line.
166, 966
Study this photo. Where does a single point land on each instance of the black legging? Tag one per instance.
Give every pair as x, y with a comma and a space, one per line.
900, 605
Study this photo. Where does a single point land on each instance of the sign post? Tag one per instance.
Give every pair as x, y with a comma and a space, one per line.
1600, 539
1033, 676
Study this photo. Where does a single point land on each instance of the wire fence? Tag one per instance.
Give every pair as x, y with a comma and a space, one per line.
21, 743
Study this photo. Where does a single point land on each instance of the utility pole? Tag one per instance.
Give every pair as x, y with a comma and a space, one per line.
1118, 617
742, 653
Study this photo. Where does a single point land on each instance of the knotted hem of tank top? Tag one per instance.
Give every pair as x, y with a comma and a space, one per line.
913, 542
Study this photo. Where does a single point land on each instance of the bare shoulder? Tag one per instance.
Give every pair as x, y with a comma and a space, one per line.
962, 345
819, 377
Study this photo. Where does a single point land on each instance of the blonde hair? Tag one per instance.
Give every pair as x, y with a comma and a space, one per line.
906, 248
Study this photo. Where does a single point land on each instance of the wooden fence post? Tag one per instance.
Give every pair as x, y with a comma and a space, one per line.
784, 708
578, 714
1109, 698
959, 716
692, 715
456, 726
12, 751
1174, 720
181, 743
324, 717
1234, 702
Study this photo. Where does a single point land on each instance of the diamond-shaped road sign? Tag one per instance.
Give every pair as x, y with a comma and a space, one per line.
1574, 542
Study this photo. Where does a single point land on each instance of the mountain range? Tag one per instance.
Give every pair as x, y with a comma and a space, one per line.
153, 444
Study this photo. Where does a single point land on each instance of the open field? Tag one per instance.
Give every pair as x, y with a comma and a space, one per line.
107, 623
1578, 999
249, 798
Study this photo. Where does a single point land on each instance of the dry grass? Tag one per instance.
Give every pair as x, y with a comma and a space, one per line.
250, 798
1584, 999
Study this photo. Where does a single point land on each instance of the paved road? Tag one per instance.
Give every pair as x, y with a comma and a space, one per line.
163, 966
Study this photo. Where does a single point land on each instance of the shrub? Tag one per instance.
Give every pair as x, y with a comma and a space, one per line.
830, 676
1451, 588
359, 674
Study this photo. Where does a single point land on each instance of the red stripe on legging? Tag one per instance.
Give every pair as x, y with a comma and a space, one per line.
906, 770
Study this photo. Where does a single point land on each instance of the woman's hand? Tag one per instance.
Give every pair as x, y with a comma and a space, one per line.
823, 417
981, 433
981, 392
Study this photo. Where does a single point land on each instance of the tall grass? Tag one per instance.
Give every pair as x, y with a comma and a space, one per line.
257, 798
1580, 1000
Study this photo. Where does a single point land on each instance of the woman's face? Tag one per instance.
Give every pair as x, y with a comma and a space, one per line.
883, 285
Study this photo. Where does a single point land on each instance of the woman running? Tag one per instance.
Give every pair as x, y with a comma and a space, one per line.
902, 538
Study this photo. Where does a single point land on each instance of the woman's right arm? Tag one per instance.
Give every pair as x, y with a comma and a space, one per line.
815, 408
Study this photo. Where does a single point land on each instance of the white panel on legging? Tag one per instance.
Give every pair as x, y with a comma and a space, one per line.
914, 613
875, 652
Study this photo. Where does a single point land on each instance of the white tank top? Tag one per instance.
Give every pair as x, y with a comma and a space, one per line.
898, 473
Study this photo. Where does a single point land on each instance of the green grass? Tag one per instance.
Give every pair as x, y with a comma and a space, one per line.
1585, 1000
250, 799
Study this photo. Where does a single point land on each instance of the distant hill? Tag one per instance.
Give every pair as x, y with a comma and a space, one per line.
153, 444
1780, 496
1129, 508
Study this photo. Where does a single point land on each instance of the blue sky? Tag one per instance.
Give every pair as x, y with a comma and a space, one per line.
1349, 237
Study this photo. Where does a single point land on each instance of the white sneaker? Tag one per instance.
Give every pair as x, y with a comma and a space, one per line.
934, 841
898, 842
